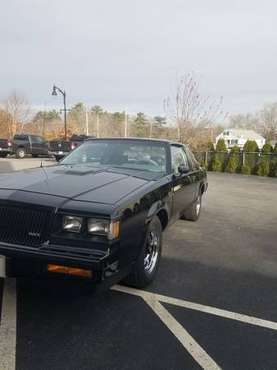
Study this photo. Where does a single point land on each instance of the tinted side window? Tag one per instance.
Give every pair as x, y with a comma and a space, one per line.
179, 158
21, 137
37, 139
192, 160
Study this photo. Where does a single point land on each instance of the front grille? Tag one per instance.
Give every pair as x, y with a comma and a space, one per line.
23, 225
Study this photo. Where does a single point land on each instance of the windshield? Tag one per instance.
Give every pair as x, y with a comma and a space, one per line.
125, 154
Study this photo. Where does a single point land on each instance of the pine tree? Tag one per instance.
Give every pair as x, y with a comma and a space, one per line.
219, 158
251, 150
234, 160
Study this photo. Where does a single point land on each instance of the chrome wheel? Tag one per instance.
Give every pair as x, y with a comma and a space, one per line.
151, 252
198, 205
21, 153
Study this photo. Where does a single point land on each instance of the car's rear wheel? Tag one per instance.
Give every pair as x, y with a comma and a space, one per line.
58, 157
20, 153
3, 155
193, 213
146, 266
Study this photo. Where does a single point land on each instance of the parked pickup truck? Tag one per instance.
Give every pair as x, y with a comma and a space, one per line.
99, 213
29, 144
5, 148
60, 148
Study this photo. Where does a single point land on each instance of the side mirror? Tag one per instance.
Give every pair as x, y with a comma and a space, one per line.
182, 169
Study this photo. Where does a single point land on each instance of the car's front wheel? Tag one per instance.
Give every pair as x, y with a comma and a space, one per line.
20, 153
193, 213
146, 266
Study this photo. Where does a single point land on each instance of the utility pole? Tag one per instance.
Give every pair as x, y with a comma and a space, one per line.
126, 124
87, 130
151, 128
97, 124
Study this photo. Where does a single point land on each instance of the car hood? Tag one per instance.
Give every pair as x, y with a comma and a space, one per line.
76, 183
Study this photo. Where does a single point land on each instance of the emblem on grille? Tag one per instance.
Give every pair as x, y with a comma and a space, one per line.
35, 235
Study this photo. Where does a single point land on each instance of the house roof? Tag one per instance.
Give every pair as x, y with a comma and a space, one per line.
247, 134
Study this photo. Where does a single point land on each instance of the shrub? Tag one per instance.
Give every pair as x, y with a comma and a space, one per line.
246, 170
251, 146
273, 168
221, 146
267, 148
233, 161
216, 165
263, 167
210, 146
251, 150
219, 157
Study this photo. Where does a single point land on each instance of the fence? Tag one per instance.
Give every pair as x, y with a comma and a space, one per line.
258, 163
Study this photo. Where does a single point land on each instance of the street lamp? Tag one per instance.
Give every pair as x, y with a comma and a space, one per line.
54, 93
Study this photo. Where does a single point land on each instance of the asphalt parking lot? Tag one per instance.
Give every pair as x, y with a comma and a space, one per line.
213, 304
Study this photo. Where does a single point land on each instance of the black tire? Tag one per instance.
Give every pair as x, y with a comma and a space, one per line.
58, 158
147, 264
20, 153
35, 155
3, 155
193, 213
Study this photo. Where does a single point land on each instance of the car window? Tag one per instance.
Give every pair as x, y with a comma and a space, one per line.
179, 158
192, 160
125, 154
37, 140
21, 137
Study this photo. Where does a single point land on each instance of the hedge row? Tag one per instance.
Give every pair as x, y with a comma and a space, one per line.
248, 161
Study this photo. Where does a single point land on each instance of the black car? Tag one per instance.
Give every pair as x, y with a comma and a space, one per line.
24, 144
5, 148
101, 211
59, 148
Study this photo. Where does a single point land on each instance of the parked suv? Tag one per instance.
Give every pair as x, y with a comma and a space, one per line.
29, 144
5, 148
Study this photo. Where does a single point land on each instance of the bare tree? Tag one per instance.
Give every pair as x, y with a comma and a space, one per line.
18, 108
268, 120
190, 108
263, 121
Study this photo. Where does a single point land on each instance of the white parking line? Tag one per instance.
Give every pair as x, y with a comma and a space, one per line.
153, 300
8, 326
188, 342
251, 320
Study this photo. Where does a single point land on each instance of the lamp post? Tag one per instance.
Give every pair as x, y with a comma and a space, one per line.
54, 93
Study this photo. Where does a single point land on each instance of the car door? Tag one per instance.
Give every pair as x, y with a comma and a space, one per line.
182, 183
39, 146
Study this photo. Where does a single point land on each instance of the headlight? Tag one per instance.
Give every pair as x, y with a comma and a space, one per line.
103, 227
72, 224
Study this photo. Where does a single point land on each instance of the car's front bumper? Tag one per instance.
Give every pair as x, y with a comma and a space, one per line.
30, 261
6, 150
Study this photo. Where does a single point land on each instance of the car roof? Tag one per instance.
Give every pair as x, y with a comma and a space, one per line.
171, 142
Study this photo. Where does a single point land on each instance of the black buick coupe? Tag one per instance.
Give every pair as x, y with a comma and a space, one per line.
100, 212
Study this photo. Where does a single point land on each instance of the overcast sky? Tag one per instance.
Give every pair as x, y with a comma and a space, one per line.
128, 53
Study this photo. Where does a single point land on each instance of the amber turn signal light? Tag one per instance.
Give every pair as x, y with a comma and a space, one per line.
69, 270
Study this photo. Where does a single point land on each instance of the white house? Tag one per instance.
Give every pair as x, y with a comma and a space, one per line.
238, 137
